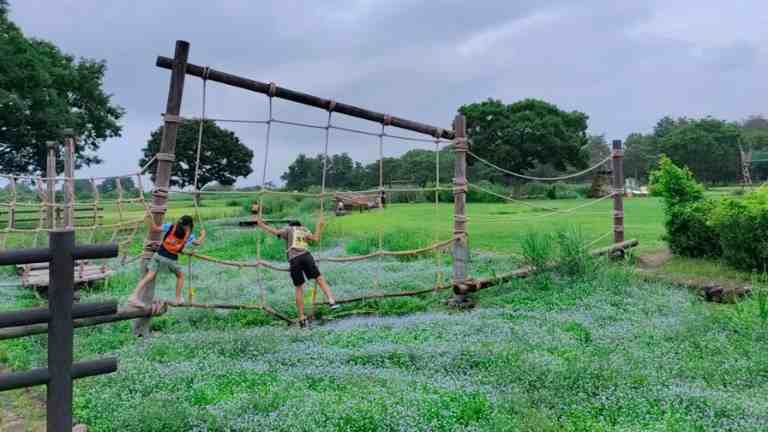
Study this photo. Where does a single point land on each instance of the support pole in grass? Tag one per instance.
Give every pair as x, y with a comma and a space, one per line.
165, 158
69, 174
460, 245
50, 184
618, 192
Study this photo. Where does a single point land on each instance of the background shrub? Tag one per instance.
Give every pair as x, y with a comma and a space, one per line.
742, 226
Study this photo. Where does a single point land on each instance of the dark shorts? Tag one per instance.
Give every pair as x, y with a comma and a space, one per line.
303, 267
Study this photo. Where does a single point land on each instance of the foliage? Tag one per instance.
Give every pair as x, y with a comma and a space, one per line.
743, 228
689, 230
525, 133
43, 90
675, 185
223, 157
538, 249
708, 146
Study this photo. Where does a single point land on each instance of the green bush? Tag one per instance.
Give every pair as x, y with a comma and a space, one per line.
742, 225
690, 231
538, 249
675, 185
573, 256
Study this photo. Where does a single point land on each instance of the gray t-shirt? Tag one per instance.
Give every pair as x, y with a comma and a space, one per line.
295, 240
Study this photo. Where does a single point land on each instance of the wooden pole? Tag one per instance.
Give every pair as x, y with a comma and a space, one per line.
165, 158
50, 173
618, 189
305, 99
460, 245
69, 174
60, 330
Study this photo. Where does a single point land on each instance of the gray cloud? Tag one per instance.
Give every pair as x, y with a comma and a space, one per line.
625, 65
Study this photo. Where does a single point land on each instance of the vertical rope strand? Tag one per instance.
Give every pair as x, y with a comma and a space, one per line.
196, 198
96, 201
436, 233
11, 213
381, 192
259, 234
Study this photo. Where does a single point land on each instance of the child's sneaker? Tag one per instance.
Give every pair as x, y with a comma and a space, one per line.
303, 323
334, 305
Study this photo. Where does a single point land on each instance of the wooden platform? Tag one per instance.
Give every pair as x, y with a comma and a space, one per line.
36, 275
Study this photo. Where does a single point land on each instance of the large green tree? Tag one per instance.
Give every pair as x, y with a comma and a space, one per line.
43, 90
709, 147
223, 157
524, 134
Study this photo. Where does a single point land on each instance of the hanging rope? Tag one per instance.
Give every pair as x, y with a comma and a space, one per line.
527, 177
436, 233
196, 198
259, 234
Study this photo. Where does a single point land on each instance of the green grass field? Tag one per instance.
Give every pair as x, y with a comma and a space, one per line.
600, 350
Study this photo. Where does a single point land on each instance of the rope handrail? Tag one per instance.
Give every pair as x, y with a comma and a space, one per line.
504, 197
309, 194
353, 258
556, 212
527, 177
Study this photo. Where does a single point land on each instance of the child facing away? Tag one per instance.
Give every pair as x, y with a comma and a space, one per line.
301, 262
175, 238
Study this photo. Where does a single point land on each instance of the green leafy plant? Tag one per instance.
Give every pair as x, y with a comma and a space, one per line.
538, 249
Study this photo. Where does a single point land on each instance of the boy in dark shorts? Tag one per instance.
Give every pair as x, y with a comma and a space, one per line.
302, 264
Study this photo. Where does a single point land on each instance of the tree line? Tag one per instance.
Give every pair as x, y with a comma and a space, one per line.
43, 90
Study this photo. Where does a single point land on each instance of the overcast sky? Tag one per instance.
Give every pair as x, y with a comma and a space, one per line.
624, 63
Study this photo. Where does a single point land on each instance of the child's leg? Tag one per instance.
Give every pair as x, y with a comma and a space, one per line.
136, 295
300, 301
326, 289
179, 286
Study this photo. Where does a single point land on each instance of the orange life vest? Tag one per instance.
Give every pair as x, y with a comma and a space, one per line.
173, 244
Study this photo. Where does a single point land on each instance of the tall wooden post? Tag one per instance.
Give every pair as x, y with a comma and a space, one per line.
618, 192
460, 245
50, 184
165, 158
60, 330
69, 174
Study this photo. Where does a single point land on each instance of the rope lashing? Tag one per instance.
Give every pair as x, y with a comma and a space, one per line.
166, 157
172, 118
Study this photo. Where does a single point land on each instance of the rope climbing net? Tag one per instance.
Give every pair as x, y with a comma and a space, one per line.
375, 264
374, 197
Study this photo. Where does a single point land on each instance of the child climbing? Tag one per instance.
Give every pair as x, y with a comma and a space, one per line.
302, 264
175, 238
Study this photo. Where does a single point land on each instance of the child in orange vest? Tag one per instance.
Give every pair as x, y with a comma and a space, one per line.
176, 237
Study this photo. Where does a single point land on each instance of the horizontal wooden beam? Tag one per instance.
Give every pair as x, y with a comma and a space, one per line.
307, 99
42, 376
121, 315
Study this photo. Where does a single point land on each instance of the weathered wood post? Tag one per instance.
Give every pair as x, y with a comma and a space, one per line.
460, 245
60, 330
165, 158
50, 184
69, 174
618, 192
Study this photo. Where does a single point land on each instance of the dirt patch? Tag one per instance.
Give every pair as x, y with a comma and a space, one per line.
20, 412
718, 291
654, 260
